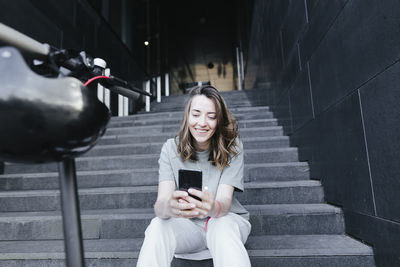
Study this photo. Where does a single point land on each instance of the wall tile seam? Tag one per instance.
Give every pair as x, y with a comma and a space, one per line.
290, 115
61, 46
328, 29
280, 78
367, 153
298, 54
306, 10
280, 33
310, 87
374, 217
282, 52
345, 96
292, 53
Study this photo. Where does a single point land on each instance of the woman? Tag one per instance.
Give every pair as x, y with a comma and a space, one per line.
217, 226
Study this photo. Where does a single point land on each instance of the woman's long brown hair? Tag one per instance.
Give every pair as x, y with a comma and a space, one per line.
223, 143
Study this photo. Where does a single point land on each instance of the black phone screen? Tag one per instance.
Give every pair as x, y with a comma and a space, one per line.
190, 179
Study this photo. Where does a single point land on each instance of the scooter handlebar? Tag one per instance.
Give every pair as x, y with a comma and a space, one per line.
21, 41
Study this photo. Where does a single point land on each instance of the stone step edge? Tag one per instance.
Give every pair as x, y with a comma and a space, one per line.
147, 213
350, 250
153, 155
153, 188
91, 172
244, 140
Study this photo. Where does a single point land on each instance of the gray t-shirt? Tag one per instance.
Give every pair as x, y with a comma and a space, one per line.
170, 162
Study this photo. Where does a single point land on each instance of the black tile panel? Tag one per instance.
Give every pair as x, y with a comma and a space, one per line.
304, 139
277, 13
290, 72
109, 48
283, 114
88, 22
383, 234
341, 156
63, 14
276, 60
380, 100
295, 21
62, 11
324, 14
24, 17
300, 99
363, 41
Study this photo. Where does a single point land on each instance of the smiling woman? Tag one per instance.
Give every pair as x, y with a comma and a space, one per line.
208, 124
215, 225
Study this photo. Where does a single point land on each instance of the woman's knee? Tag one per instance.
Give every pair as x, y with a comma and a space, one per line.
222, 225
157, 226
227, 227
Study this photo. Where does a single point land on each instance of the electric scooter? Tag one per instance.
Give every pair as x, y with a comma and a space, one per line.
49, 112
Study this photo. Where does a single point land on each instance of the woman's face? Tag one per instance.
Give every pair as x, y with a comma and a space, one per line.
202, 121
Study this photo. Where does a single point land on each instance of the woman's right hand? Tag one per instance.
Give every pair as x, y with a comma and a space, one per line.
180, 208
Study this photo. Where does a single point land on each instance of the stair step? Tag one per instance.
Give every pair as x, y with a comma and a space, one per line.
128, 148
144, 196
146, 161
286, 250
290, 171
86, 179
294, 219
276, 171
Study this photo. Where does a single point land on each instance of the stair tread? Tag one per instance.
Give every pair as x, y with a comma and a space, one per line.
94, 172
153, 188
244, 140
156, 155
260, 246
147, 213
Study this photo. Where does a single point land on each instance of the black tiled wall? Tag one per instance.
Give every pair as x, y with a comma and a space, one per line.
332, 71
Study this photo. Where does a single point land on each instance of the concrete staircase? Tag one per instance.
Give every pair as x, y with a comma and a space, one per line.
291, 224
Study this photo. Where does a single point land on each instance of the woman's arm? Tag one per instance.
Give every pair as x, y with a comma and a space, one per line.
168, 204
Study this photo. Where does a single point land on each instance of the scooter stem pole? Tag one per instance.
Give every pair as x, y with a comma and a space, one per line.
71, 214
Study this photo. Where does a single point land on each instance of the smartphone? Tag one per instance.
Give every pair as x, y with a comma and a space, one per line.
190, 179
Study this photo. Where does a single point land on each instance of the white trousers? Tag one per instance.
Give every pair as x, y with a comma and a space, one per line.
225, 238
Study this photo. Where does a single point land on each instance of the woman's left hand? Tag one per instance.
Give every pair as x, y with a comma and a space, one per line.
205, 206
